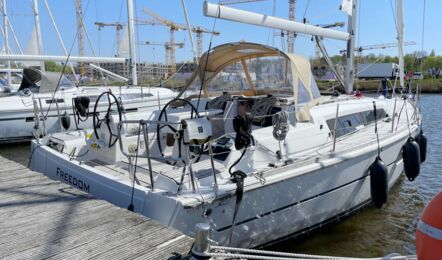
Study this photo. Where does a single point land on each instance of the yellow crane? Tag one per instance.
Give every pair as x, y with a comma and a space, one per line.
178, 27
118, 27
167, 47
199, 37
172, 28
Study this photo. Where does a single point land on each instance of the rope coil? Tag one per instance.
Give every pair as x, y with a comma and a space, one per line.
280, 125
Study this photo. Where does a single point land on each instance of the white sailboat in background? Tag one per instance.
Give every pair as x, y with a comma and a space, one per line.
47, 102
123, 49
259, 159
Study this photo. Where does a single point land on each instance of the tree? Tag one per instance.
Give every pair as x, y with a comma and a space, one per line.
432, 53
53, 66
433, 64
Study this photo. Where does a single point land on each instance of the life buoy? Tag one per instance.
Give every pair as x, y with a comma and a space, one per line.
378, 182
412, 159
429, 231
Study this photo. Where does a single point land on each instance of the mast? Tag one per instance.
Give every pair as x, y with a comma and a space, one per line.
291, 35
131, 33
349, 77
38, 32
80, 31
400, 38
6, 44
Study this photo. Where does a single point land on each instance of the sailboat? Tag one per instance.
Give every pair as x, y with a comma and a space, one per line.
260, 155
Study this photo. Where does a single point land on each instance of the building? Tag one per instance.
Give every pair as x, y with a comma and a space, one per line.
144, 70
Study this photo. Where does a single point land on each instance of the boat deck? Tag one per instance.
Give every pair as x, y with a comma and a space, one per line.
41, 218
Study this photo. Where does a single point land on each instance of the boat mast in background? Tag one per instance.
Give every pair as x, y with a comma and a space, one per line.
400, 33
352, 18
6, 44
291, 35
131, 33
38, 32
80, 29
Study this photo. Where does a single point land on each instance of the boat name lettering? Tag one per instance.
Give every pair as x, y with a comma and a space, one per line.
67, 178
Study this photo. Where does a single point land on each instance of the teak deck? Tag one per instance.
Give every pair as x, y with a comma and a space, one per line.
42, 218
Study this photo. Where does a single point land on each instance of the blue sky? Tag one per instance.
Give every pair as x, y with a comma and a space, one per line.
376, 24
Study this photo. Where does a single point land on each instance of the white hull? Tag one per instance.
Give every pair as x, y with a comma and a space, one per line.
288, 163
301, 199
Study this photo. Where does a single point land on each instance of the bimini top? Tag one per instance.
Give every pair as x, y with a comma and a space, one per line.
254, 69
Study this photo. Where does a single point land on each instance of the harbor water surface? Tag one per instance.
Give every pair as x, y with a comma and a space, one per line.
372, 232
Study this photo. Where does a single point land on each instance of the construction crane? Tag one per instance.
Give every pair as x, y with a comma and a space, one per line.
118, 27
199, 38
172, 28
378, 46
178, 27
167, 47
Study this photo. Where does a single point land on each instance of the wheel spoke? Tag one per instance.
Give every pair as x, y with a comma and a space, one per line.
171, 128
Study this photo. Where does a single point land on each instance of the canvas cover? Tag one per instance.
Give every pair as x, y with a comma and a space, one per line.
44, 82
305, 90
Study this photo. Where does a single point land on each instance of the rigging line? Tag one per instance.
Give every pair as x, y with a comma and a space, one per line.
63, 69
271, 30
306, 9
394, 17
207, 57
422, 48
98, 29
131, 205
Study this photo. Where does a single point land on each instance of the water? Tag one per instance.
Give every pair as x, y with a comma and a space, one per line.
379, 232
372, 232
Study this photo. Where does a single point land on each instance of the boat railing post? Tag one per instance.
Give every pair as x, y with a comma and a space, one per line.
394, 114
58, 113
336, 125
201, 245
146, 143
192, 174
215, 182
42, 116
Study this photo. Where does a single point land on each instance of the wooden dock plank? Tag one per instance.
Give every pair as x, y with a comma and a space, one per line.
42, 218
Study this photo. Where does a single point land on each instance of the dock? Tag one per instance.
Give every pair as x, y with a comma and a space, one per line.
42, 218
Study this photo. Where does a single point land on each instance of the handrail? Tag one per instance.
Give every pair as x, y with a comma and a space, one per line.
144, 128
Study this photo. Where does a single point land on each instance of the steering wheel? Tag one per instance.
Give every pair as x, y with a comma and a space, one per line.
177, 133
113, 138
